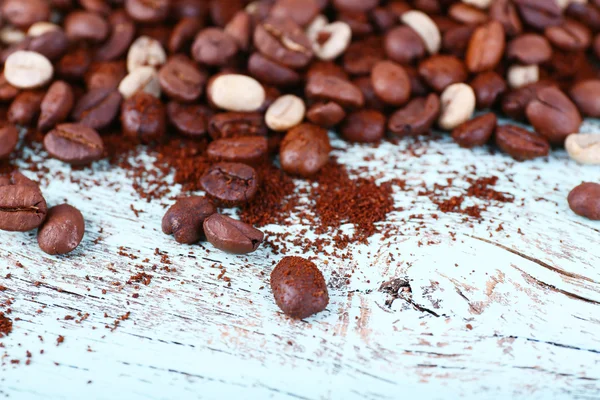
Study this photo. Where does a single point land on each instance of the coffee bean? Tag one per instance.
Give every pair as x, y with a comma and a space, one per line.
390, 83
283, 41
455, 41
331, 88
539, 14
529, 48
56, 105
145, 52
300, 11
62, 231
143, 79
285, 113
585, 96
39, 28
425, 28
457, 105
148, 11
299, 287
584, 147
270, 72
362, 55
364, 126
403, 45
98, 108
52, 45
27, 69
240, 28
570, 36
584, 200
221, 12
183, 33
365, 85
331, 41
475, 132
189, 119
522, 75
486, 47
87, 26
214, 47
489, 88
24, 13
74, 144
251, 150
120, 38
359, 23
234, 92
143, 116
9, 138
181, 80
304, 150
105, 75
232, 236
467, 14
521, 144
22, 206
7, 91
96, 6
75, 63
515, 102
416, 118
230, 183
326, 114
505, 12
234, 124
184, 219
25, 108
587, 14
553, 115
355, 6
441, 71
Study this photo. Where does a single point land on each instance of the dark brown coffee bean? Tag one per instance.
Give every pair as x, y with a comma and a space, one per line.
418, 88
181, 80
143, 116
236, 124
24, 13
299, 287
7, 91
587, 14
304, 150
105, 75
331, 88
84, 25
25, 108
22, 206
539, 14
240, 28
521, 144
359, 23
489, 88
327, 68
475, 132
360, 57
417, 117
355, 5
9, 138
74, 64
391, 83
251, 150
584, 200
456, 40
365, 85
232, 236
62, 231
364, 126
52, 45
56, 105
230, 183
585, 95
271, 73
98, 108
326, 115
221, 12
467, 14
183, 34
529, 49
184, 219
214, 47
96, 6
147, 11
440, 71
189, 119
553, 115
383, 18
300, 11
119, 40
486, 47
515, 102
569, 36
505, 12
283, 41
74, 144
189, 9
403, 45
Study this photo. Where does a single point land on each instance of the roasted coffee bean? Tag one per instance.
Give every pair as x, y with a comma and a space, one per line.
331, 88
75, 63
553, 115
251, 150
457, 104
87, 26
7, 91
403, 45
467, 14
586, 14
391, 83
143, 116
183, 34
232, 236
569, 36
96, 6
489, 88
418, 87
189, 119
56, 105
299, 287
300, 11
148, 11
304, 150
475, 132
426, 28
230, 183
52, 45
584, 147
184, 219
214, 47
539, 14
366, 87
74, 144
234, 92
119, 40
9, 138
455, 41
22, 206
27, 70
285, 113
181, 80
326, 114
521, 144
98, 108
25, 108
62, 231
24, 13
221, 12
584, 200
529, 48
364, 126
359, 23
234, 124
239, 28
441, 71
361, 56
585, 95
143, 79
416, 118
355, 5
515, 102
105, 75
486, 47
505, 12
283, 41
270, 72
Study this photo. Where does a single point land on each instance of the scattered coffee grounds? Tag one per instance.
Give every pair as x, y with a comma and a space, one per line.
5, 325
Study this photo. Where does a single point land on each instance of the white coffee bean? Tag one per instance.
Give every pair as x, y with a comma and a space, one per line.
142, 78
39, 28
337, 38
426, 28
457, 105
522, 75
234, 92
27, 69
584, 147
10, 35
318, 23
285, 113
482, 4
144, 52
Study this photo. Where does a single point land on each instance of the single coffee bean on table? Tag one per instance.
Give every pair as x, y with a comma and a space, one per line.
229, 183
584, 200
304, 150
98, 108
74, 143
584, 147
520, 143
56, 105
62, 231
22, 205
231, 235
475, 132
184, 219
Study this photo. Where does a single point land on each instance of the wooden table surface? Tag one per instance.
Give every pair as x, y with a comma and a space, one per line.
507, 307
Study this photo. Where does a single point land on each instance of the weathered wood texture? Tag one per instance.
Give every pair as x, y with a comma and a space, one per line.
490, 313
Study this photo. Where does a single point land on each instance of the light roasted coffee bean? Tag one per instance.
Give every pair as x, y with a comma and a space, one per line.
145, 52
522, 75
331, 41
285, 113
457, 106
425, 28
584, 147
143, 79
62, 231
27, 70
234, 92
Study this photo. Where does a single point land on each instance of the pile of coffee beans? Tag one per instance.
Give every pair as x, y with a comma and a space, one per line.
268, 78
